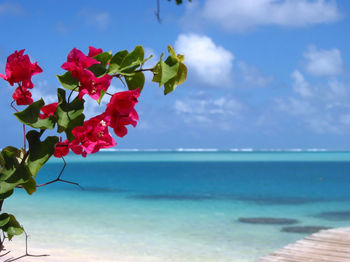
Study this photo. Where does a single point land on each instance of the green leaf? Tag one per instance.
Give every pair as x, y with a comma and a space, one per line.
69, 115
13, 171
68, 81
11, 156
30, 186
170, 73
31, 116
116, 62
135, 81
39, 153
132, 60
100, 69
21, 175
171, 51
4, 219
165, 70
104, 58
6, 194
177, 80
12, 227
103, 92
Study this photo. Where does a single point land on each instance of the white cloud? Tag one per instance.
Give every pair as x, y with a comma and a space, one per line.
252, 76
238, 15
209, 111
322, 107
10, 8
210, 62
62, 28
37, 92
94, 18
300, 85
323, 62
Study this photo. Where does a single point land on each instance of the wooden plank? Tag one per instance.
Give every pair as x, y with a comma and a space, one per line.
331, 245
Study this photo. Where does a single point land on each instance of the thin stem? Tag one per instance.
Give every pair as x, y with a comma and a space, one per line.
157, 12
121, 80
24, 94
136, 71
58, 179
8, 252
71, 92
24, 138
26, 254
14, 108
24, 129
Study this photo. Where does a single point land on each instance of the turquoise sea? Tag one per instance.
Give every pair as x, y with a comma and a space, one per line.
180, 206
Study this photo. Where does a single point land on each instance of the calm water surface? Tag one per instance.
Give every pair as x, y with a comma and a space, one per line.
182, 206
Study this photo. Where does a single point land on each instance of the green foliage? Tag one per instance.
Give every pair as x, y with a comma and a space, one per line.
135, 81
4, 219
31, 116
69, 115
6, 194
68, 81
171, 72
10, 225
100, 69
14, 171
125, 63
39, 153
116, 62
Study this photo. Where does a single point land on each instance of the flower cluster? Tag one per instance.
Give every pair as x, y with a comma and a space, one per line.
94, 134
78, 64
19, 70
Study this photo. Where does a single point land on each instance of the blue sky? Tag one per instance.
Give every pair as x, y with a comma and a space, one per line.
262, 73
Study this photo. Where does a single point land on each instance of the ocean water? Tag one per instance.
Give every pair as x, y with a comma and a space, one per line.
180, 206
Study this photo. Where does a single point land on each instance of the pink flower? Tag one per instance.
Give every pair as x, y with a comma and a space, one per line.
94, 51
92, 136
77, 61
19, 69
92, 85
61, 148
78, 64
22, 96
48, 110
121, 111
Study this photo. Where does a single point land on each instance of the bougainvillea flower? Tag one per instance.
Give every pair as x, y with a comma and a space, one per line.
22, 96
48, 110
92, 136
78, 61
121, 111
94, 51
91, 85
19, 69
61, 148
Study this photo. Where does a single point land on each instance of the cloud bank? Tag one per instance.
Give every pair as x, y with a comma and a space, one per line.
238, 15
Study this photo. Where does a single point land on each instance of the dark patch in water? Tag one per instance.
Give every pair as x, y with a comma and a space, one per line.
173, 197
278, 200
336, 215
303, 229
268, 220
99, 189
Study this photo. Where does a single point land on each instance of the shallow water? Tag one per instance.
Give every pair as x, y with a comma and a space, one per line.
181, 206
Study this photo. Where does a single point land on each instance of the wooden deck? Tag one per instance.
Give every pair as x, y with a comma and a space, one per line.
332, 245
